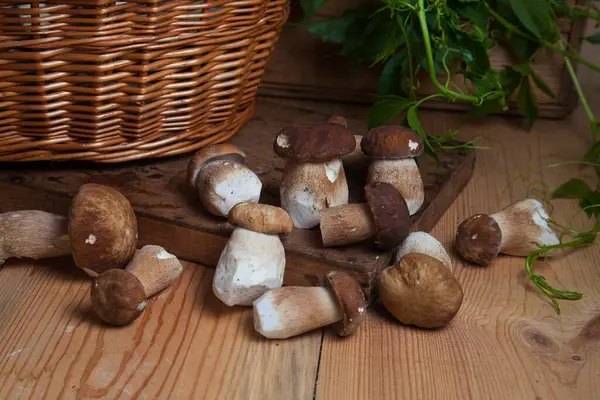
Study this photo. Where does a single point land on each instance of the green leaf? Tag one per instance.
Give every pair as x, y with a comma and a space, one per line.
510, 79
527, 102
412, 117
491, 106
541, 84
474, 11
391, 75
572, 189
309, 7
534, 15
590, 203
331, 30
386, 109
521, 47
593, 39
593, 154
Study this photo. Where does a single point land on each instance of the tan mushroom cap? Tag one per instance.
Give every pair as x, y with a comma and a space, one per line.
102, 229
390, 213
478, 239
338, 119
117, 297
220, 151
314, 142
351, 301
420, 291
261, 218
392, 142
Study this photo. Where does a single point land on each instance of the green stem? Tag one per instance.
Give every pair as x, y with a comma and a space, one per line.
582, 98
411, 85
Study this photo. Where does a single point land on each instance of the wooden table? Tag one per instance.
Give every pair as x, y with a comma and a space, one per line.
506, 342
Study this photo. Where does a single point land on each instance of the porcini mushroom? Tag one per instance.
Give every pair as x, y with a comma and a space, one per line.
420, 291
253, 261
220, 176
102, 229
356, 156
385, 215
313, 177
119, 296
392, 150
290, 311
33, 234
515, 230
423, 242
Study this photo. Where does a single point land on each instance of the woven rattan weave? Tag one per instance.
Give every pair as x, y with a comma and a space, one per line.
109, 81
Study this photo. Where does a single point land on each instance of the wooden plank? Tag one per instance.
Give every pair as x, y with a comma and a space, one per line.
506, 341
170, 214
186, 345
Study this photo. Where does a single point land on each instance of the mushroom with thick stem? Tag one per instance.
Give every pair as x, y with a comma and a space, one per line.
33, 234
313, 176
220, 176
119, 295
424, 243
384, 215
102, 229
515, 230
253, 260
420, 291
293, 310
392, 150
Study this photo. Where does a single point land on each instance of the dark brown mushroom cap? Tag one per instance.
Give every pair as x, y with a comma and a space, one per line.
338, 119
102, 228
215, 152
262, 218
390, 213
391, 142
478, 239
351, 301
314, 142
117, 297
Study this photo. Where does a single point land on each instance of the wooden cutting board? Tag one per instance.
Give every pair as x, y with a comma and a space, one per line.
170, 213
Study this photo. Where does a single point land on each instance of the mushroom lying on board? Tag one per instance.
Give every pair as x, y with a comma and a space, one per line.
221, 178
424, 243
420, 290
253, 261
384, 215
514, 230
392, 150
119, 295
313, 177
292, 310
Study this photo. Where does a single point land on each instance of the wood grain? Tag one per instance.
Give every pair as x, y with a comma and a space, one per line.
506, 342
185, 345
170, 213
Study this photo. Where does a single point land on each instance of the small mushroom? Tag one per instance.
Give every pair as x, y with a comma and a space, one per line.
119, 295
314, 176
221, 178
33, 234
420, 291
392, 150
292, 310
424, 243
102, 229
253, 261
384, 215
515, 230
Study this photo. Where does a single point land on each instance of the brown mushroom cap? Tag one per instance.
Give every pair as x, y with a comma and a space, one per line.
338, 119
390, 213
314, 142
215, 152
478, 239
117, 297
420, 291
351, 300
392, 142
261, 218
102, 228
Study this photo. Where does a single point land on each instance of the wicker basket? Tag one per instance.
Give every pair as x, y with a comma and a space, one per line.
108, 82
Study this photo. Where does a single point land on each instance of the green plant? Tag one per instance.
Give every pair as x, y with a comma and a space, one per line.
441, 39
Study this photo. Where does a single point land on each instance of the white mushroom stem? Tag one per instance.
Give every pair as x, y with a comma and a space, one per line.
290, 311
33, 234
155, 268
404, 175
424, 243
308, 188
250, 264
223, 184
523, 224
